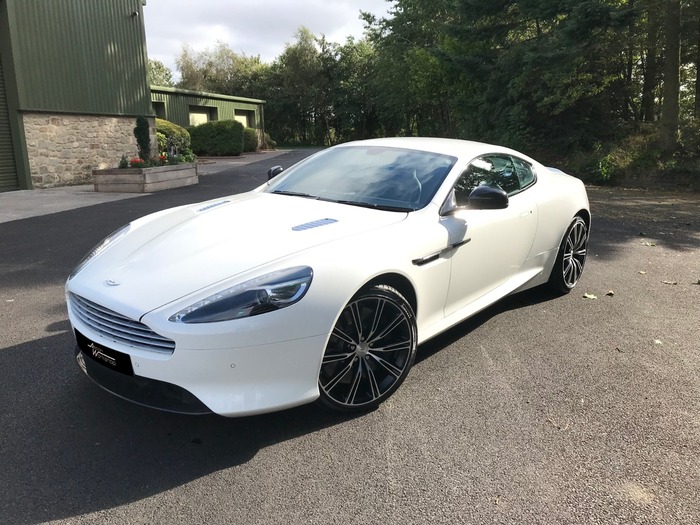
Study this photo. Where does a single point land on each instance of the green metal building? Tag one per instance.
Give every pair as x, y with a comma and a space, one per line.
72, 80
190, 108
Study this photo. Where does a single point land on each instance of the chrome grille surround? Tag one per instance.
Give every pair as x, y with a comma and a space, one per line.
118, 328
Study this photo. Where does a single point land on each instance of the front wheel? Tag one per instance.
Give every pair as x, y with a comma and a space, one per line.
369, 352
568, 267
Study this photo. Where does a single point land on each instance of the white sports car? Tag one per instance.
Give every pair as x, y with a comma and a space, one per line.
320, 284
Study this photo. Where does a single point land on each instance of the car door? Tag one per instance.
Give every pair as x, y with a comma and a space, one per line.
496, 242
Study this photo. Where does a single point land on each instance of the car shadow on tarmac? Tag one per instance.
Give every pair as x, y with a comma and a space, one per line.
73, 448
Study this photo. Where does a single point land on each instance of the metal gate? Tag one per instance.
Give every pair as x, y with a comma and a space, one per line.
8, 169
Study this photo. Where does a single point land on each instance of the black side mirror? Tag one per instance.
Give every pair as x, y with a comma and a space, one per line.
487, 198
274, 171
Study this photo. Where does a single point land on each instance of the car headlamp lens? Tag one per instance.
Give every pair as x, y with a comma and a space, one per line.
99, 248
264, 294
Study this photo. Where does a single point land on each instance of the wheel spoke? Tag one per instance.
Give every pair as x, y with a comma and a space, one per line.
333, 358
396, 322
337, 332
352, 393
393, 370
377, 319
331, 384
373, 384
393, 347
356, 319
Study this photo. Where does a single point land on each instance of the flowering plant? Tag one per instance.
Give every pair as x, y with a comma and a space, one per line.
137, 163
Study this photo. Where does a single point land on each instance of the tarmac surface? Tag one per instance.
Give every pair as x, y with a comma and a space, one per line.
22, 204
540, 409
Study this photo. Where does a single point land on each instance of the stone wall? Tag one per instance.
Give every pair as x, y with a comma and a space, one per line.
64, 149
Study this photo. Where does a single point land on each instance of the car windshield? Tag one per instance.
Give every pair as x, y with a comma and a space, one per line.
393, 179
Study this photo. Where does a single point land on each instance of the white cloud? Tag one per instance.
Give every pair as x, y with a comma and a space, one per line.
254, 28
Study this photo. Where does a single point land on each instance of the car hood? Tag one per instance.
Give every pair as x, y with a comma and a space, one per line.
171, 254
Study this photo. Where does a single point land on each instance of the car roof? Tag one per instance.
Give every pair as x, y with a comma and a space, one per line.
457, 147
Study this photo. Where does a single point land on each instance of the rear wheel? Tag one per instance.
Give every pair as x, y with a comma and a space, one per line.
369, 352
571, 258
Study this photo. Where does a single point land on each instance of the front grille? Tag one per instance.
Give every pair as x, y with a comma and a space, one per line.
118, 328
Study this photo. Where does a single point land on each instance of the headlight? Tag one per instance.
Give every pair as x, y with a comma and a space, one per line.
99, 248
264, 294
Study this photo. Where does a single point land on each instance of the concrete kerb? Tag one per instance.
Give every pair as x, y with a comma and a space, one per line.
22, 204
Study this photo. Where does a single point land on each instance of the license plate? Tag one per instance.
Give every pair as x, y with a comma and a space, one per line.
112, 359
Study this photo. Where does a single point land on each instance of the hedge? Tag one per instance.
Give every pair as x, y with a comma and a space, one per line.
218, 138
177, 138
250, 140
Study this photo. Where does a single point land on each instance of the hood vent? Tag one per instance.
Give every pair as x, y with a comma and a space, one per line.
213, 205
313, 224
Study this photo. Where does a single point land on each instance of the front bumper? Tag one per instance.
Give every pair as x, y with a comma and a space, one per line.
237, 381
141, 390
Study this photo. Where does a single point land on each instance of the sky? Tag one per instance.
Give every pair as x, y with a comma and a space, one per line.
254, 28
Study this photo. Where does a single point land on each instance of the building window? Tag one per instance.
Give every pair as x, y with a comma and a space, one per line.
159, 109
201, 114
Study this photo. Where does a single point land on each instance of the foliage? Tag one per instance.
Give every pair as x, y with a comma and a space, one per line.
162, 141
124, 162
142, 132
220, 70
218, 138
250, 140
177, 138
159, 74
580, 81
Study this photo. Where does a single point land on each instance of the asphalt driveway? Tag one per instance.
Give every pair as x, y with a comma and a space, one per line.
539, 410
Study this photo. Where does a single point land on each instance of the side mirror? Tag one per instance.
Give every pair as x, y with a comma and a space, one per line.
487, 198
274, 171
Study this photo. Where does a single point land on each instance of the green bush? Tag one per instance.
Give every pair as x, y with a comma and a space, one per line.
218, 138
162, 142
177, 138
250, 140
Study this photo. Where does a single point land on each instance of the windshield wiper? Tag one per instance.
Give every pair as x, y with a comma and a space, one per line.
382, 207
295, 194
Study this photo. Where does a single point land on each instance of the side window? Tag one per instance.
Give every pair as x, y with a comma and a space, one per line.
499, 171
477, 173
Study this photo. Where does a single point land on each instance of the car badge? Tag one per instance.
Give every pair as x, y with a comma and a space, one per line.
110, 282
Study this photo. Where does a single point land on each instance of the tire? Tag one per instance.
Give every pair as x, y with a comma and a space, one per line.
370, 351
571, 258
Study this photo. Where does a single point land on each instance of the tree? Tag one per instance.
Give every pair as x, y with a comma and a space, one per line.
671, 90
159, 74
220, 70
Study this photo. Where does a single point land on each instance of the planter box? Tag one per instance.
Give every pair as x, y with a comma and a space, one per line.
145, 180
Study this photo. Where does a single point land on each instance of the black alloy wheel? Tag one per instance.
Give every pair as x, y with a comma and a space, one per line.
369, 352
571, 258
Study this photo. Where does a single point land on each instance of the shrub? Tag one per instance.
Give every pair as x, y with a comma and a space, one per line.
250, 140
177, 138
162, 141
218, 138
142, 132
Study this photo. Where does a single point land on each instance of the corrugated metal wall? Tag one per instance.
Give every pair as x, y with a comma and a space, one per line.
178, 102
8, 171
62, 50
